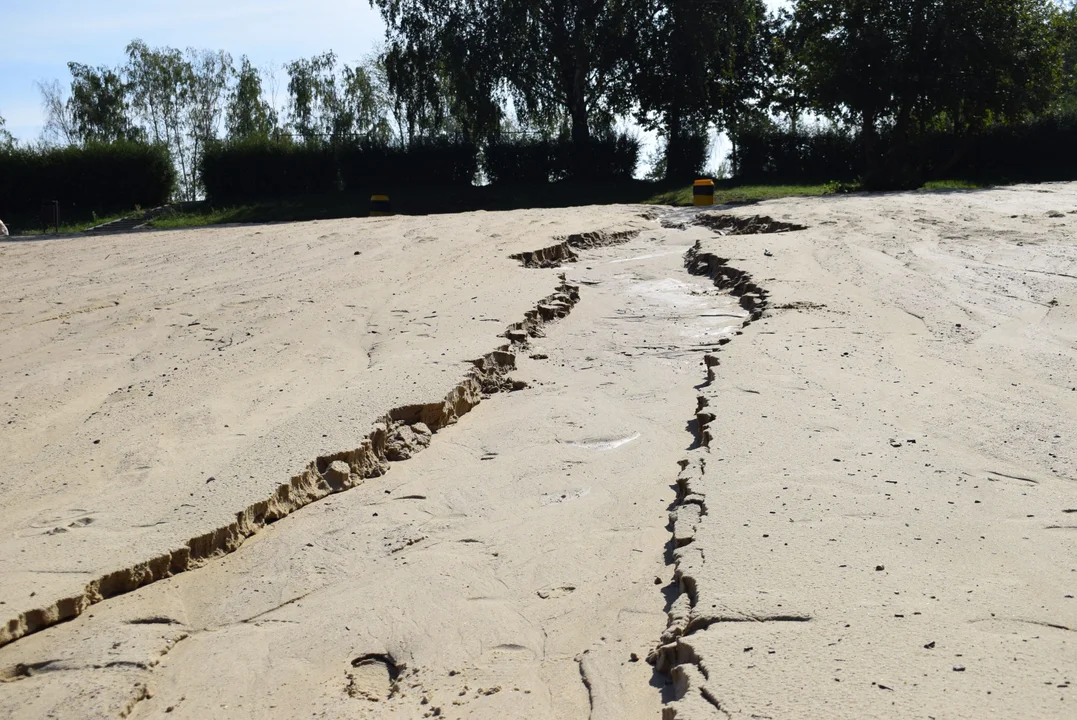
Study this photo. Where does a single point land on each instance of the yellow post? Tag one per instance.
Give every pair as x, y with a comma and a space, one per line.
379, 206
703, 192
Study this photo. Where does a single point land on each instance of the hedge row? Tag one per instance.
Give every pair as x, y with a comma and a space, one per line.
803, 157
98, 178
1039, 150
538, 160
262, 168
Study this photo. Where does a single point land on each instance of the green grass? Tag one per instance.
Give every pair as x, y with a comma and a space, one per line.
25, 228
956, 185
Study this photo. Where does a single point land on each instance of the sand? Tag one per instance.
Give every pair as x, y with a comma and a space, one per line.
257, 471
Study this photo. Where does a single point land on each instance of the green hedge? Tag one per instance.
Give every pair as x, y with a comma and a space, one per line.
426, 163
533, 160
810, 156
263, 168
99, 178
1039, 150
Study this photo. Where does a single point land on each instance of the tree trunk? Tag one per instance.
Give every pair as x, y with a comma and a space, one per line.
869, 142
674, 145
581, 133
577, 96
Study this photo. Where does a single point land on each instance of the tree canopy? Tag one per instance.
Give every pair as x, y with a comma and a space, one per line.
887, 72
895, 65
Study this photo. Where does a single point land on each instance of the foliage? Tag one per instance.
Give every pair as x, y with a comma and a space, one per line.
1066, 27
441, 67
97, 178
523, 160
249, 115
1039, 149
684, 76
896, 66
911, 89
812, 155
208, 81
429, 162
98, 105
263, 168
327, 106
610, 156
686, 158
786, 92
535, 160
59, 120
565, 63
7, 141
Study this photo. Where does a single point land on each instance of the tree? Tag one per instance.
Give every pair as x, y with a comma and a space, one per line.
336, 107
248, 114
786, 93
676, 81
563, 62
361, 108
7, 140
1066, 25
98, 105
892, 66
441, 65
208, 78
310, 82
699, 64
161, 85
60, 125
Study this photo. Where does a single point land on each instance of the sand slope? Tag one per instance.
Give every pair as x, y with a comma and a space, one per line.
890, 490
156, 385
861, 503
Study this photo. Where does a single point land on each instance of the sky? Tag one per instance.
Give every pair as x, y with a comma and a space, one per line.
39, 39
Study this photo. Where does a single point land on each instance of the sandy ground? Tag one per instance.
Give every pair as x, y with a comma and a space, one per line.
869, 513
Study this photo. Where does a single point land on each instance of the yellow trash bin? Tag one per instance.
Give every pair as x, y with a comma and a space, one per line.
379, 206
703, 192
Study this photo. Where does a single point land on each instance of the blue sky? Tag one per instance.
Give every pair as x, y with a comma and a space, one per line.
39, 38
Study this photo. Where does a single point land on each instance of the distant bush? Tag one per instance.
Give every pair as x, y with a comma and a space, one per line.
612, 157
438, 161
533, 160
771, 155
687, 158
1043, 149
526, 160
98, 178
265, 168
1038, 150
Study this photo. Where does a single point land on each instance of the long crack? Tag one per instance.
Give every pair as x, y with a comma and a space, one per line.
564, 251
675, 654
398, 435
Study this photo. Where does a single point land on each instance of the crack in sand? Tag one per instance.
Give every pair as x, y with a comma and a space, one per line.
401, 433
674, 656
563, 252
